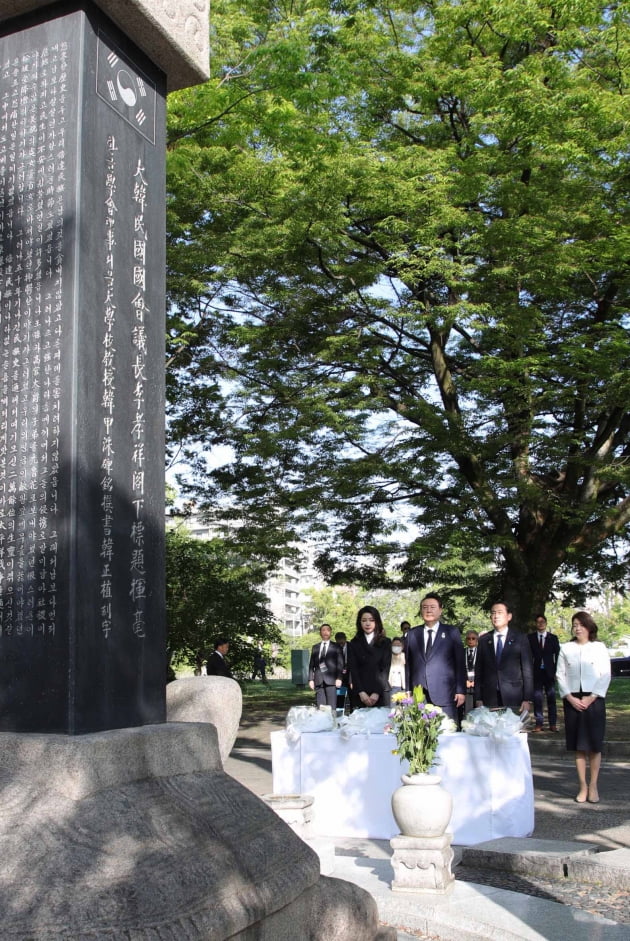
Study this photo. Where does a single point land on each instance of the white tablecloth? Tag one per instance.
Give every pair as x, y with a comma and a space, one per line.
352, 783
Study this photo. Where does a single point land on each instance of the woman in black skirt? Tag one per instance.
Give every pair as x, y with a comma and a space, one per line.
583, 677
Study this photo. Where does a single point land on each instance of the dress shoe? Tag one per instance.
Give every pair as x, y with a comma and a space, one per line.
538, 728
553, 728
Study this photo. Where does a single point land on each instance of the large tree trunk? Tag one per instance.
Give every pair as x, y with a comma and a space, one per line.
527, 586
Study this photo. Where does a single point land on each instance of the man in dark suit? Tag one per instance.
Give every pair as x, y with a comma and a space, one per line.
470, 654
545, 653
342, 692
434, 659
217, 664
325, 669
503, 669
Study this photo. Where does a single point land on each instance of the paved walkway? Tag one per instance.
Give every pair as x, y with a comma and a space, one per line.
489, 903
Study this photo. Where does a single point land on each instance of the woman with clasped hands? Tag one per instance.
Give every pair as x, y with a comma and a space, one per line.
369, 660
583, 677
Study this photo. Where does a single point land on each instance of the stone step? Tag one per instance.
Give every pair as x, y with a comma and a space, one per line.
611, 867
577, 862
474, 912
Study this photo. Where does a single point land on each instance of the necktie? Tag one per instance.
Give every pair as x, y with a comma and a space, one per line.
322, 652
541, 640
429, 641
499, 648
470, 660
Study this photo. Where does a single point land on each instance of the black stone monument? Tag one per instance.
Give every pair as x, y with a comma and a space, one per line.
81, 376
113, 834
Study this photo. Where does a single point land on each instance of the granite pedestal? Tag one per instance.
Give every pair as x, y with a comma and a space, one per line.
422, 864
138, 834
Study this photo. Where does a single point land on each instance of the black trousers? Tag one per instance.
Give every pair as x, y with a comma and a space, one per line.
326, 696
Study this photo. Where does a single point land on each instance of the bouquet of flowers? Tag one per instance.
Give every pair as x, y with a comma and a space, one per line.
363, 722
499, 724
417, 726
308, 719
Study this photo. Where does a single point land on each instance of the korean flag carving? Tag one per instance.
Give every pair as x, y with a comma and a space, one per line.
125, 88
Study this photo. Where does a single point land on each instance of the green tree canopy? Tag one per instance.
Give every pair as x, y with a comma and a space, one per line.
338, 606
210, 592
398, 268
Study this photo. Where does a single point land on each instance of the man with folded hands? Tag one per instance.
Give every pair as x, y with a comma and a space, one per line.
325, 669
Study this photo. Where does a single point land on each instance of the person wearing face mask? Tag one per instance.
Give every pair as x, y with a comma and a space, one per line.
397, 669
369, 660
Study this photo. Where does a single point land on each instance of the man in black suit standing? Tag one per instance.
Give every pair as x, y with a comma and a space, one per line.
545, 652
217, 664
470, 652
343, 691
503, 669
434, 659
325, 669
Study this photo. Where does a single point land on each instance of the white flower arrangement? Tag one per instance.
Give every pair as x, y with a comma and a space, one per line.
499, 724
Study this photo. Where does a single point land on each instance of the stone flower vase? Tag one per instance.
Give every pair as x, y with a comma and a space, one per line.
422, 807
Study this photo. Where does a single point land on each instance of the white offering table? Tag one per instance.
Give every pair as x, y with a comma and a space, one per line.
352, 782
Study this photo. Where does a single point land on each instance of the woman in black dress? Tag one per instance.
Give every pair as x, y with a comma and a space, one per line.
369, 660
583, 677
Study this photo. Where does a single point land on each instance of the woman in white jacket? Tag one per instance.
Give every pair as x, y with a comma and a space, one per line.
583, 677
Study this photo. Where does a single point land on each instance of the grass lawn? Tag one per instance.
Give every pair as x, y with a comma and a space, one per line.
618, 710
273, 697
270, 703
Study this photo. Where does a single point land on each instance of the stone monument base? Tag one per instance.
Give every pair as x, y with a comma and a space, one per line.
214, 699
422, 864
295, 809
139, 834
